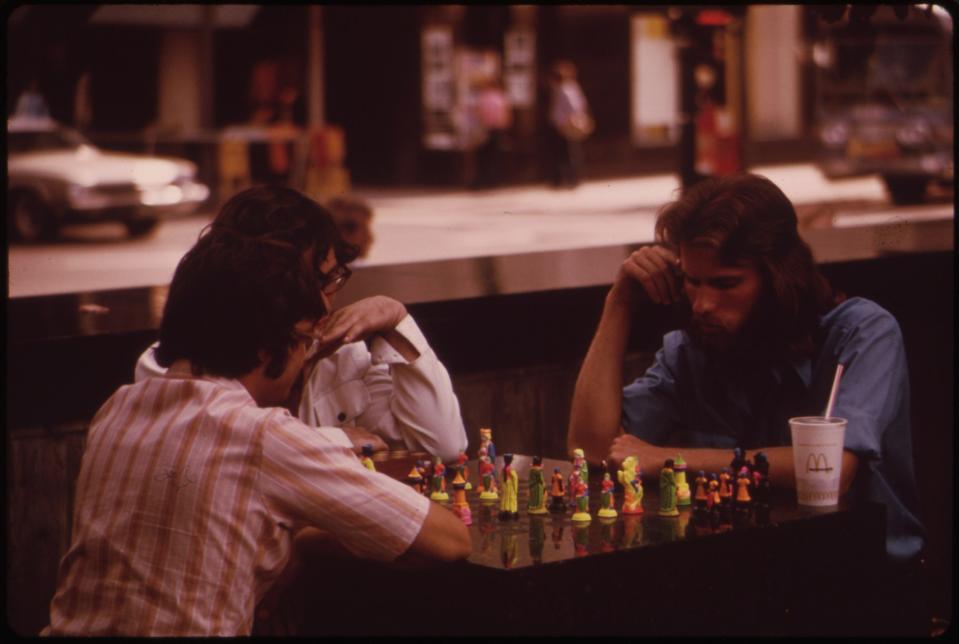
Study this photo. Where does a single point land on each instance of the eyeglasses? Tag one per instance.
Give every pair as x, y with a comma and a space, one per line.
335, 279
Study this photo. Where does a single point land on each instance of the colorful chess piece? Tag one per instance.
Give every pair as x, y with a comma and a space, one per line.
683, 495
606, 509
579, 458
460, 505
463, 471
743, 500
667, 490
427, 473
415, 479
439, 482
629, 478
367, 457
536, 503
700, 499
486, 442
508, 503
581, 494
488, 480
557, 493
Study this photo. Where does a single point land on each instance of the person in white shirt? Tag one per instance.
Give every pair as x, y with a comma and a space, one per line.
396, 394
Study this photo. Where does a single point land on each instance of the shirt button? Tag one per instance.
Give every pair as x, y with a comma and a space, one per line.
341, 416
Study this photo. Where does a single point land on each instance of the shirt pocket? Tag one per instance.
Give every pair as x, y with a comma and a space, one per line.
343, 404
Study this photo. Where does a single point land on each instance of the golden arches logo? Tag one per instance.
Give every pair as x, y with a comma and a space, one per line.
817, 463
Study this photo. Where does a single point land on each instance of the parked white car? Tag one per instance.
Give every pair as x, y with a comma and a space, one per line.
55, 176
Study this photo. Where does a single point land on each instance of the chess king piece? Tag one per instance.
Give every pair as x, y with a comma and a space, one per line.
536, 503
367, 457
683, 495
574, 478
463, 471
606, 509
739, 461
486, 442
667, 490
460, 505
700, 498
488, 485
743, 498
629, 478
439, 482
557, 493
415, 479
581, 494
508, 503
427, 473
579, 458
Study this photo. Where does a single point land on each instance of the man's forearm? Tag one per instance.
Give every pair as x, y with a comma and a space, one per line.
597, 399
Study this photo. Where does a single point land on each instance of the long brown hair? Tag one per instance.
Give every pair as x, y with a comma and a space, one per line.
750, 218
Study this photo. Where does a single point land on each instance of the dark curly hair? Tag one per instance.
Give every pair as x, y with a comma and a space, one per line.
749, 217
247, 281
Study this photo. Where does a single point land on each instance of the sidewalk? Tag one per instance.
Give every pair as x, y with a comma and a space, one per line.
412, 226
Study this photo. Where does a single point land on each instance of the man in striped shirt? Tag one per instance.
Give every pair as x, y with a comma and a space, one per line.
194, 483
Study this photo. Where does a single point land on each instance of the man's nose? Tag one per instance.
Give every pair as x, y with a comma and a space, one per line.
703, 302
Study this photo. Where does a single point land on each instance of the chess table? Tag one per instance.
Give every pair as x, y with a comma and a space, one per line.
809, 571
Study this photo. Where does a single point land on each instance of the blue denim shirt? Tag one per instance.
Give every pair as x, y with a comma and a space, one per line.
683, 400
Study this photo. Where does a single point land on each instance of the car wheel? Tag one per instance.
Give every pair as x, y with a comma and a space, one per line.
30, 220
906, 189
141, 227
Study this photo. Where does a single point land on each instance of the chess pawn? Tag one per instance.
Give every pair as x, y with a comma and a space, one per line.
700, 498
463, 471
629, 478
460, 505
582, 502
488, 485
415, 479
367, 457
439, 482
683, 495
606, 509
508, 502
557, 493
486, 442
743, 498
579, 458
536, 503
667, 490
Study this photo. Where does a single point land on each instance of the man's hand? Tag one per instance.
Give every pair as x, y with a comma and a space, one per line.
626, 445
358, 321
652, 272
359, 436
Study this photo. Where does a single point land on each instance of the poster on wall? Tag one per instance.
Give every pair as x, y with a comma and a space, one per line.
439, 88
654, 81
519, 65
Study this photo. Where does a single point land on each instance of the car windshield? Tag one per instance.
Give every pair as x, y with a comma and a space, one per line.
43, 140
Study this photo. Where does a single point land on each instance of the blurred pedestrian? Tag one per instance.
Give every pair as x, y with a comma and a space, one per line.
353, 217
495, 116
570, 123
31, 102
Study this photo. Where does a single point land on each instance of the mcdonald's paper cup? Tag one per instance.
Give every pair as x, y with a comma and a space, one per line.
817, 456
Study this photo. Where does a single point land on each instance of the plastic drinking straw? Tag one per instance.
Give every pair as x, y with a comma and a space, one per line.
835, 388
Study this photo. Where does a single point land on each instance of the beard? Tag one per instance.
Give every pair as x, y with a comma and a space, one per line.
755, 343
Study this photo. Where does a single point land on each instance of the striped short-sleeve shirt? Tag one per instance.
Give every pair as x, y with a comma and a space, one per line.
187, 500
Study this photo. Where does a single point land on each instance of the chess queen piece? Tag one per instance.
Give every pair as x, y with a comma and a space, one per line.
606, 510
536, 503
508, 503
683, 495
581, 494
667, 490
557, 492
629, 478
439, 482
